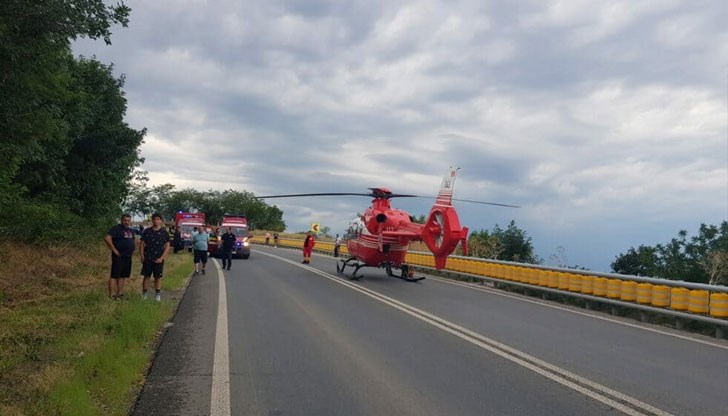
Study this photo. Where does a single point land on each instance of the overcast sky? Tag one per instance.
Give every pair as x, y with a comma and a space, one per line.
607, 121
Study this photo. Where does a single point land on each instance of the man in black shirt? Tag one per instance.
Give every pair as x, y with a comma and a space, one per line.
120, 240
228, 242
153, 249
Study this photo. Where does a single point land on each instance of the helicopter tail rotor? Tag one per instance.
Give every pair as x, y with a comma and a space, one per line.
442, 233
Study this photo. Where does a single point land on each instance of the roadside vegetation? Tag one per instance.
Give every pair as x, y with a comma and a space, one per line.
66, 348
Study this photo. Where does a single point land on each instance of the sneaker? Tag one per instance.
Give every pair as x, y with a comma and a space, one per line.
158, 297
144, 296
203, 271
119, 297
195, 273
228, 269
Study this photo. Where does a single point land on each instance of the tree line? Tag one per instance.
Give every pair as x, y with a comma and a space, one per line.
702, 258
143, 200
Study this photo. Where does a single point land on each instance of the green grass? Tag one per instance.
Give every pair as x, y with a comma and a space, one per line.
82, 353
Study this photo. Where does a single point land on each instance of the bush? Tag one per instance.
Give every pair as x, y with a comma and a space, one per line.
38, 222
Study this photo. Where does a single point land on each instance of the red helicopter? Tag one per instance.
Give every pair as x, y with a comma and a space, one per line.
382, 235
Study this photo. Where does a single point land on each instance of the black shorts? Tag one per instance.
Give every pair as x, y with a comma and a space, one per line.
149, 267
200, 256
120, 267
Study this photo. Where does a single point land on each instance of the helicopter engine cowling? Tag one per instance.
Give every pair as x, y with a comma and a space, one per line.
442, 233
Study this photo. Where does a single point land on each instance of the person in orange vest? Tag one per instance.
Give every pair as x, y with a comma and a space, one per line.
308, 244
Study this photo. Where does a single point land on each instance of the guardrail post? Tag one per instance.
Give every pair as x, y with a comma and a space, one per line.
679, 324
720, 332
588, 305
643, 316
614, 310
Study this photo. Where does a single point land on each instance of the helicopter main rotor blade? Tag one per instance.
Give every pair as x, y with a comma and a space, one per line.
466, 200
486, 203
316, 194
386, 196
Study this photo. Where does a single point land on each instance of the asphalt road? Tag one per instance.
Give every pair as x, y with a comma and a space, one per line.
303, 341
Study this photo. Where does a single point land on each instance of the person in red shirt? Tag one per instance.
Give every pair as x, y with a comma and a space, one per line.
308, 244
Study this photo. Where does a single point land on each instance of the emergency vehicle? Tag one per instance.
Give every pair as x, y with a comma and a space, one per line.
186, 222
239, 226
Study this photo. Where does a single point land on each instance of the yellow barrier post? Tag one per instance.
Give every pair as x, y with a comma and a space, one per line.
661, 296
533, 276
600, 286
698, 301
628, 291
644, 293
575, 282
543, 278
679, 298
553, 279
587, 284
614, 287
719, 305
563, 280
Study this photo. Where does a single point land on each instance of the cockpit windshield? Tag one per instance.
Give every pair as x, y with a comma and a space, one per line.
239, 231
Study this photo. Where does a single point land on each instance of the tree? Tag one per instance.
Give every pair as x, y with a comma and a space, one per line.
559, 258
482, 244
166, 200
511, 244
105, 150
644, 261
421, 219
138, 199
516, 244
715, 263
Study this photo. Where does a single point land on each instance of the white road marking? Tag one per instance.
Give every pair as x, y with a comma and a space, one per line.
594, 390
603, 318
220, 397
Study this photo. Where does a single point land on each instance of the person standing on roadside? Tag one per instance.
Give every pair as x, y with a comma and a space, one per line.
177, 240
337, 245
275, 240
120, 240
308, 244
153, 249
199, 243
228, 243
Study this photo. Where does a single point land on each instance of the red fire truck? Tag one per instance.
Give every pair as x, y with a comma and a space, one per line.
239, 226
186, 223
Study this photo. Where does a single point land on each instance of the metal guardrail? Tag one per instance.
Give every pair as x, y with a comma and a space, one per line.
683, 300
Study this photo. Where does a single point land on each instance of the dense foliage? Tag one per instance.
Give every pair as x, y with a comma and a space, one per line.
67, 153
165, 200
702, 258
511, 244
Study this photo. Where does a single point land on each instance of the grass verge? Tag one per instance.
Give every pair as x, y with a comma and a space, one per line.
78, 352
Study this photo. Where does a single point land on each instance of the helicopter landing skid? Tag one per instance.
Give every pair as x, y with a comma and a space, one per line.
408, 273
351, 262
